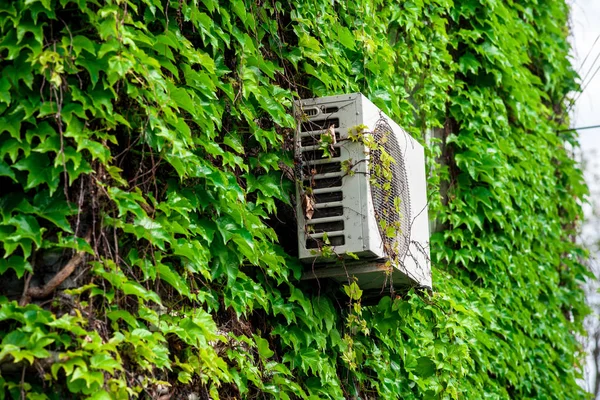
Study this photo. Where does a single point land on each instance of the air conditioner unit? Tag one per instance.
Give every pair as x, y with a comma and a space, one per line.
361, 193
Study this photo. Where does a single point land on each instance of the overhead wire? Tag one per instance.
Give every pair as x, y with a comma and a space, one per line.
583, 81
589, 53
590, 80
585, 84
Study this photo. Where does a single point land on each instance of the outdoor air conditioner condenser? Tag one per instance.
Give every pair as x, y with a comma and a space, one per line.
352, 201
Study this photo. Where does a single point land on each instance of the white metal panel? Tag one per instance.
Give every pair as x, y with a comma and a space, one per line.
416, 263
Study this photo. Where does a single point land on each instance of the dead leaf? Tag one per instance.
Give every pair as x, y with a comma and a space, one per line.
331, 132
313, 172
308, 205
328, 138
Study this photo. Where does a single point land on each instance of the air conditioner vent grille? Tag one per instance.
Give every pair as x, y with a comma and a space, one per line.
325, 212
327, 183
311, 111
319, 124
314, 155
329, 197
314, 138
317, 243
322, 168
328, 226
390, 194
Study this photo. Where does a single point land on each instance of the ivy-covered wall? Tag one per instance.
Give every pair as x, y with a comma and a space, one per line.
142, 151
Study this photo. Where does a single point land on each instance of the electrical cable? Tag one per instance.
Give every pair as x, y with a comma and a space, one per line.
581, 128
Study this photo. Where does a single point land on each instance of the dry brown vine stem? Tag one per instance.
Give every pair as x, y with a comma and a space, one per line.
52, 284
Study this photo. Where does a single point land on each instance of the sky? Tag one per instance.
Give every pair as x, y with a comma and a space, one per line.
585, 39
585, 25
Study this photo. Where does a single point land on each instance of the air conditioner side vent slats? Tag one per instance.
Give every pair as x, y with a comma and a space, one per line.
320, 169
328, 197
319, 154
319, 124
314, 138
328, 212
317, 243
335, 181
328, 226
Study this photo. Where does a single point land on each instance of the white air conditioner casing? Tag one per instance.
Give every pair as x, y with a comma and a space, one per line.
346, 206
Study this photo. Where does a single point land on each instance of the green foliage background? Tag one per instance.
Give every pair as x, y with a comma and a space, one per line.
158, 129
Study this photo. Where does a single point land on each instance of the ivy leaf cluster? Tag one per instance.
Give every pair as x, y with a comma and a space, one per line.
142, 144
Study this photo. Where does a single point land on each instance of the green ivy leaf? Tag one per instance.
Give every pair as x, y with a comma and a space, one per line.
469, 63
100, 395
39, 171
172, 278
5, 91
105, 362
17, 264
353, 291
263, 348
425, 367
5, 170
346, 37
27, 227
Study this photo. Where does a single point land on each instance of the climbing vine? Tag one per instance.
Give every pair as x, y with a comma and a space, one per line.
144, 247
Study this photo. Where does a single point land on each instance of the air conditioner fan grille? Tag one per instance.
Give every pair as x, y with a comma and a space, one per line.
396, 216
